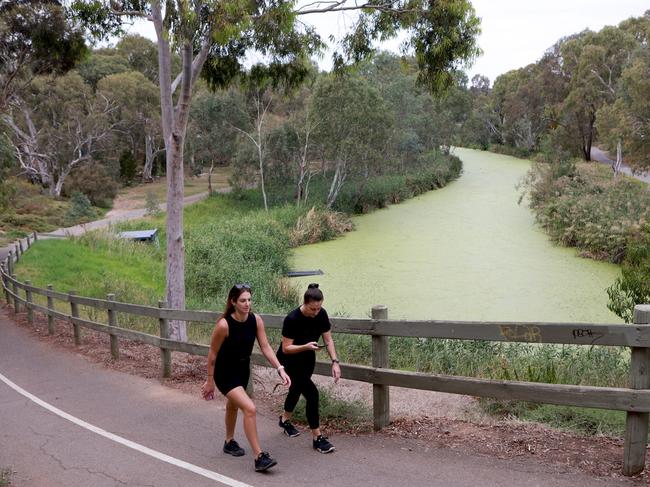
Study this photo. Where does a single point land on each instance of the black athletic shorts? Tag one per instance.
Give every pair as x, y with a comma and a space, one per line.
234, 375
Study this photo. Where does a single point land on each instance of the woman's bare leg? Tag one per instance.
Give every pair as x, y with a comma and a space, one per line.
231, 419
240, 399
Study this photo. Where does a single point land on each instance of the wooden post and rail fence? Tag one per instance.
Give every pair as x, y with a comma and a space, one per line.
635, 399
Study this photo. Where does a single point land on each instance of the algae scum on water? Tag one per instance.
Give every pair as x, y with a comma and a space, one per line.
464, 252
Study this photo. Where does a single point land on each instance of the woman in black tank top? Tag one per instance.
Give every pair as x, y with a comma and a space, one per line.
231, 345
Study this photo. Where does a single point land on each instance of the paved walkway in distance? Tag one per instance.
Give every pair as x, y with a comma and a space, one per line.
128, 215
46, 450
599, 155
105, 222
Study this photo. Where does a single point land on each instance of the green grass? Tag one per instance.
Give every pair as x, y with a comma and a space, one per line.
29, 210
135, 196
95, 266
337, 412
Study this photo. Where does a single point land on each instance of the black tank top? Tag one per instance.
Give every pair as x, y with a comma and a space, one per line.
238, 345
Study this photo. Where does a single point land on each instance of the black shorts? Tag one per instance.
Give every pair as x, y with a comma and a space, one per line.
234, 375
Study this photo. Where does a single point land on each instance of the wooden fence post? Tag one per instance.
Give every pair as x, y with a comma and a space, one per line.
112, 321
20, 246
10, 263
35, 236
380, 392
636, 424
15, 289
50, 306
165, 353
28, 242
5, 283
74, 311
28, 298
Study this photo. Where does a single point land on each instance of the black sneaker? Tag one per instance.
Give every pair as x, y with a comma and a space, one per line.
289, 429
321, 445
232, 448
264, 462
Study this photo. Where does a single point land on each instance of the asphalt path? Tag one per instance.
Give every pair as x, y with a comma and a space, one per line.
601, 156
114, 429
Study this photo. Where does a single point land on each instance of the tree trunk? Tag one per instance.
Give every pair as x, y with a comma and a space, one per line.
175, 272
210, 192
261, 159
175, 241
619, 158
148, 159
337, 183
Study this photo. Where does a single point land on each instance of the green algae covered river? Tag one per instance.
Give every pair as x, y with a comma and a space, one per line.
464, 252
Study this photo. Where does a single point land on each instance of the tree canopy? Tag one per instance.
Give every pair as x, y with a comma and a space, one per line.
36, 37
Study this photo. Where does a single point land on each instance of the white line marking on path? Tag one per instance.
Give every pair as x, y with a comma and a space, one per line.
123, 441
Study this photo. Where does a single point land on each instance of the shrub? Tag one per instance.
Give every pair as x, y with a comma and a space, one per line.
587, 208
633, 287
95, 181
507, 150
433, 172
80, 210
152, 207
250, 248
318, 226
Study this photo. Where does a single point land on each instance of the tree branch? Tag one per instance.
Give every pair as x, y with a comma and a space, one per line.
341, 7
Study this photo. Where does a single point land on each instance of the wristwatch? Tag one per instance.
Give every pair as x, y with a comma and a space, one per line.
335, 361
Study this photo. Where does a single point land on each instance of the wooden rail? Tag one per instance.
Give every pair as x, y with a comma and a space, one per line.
635, 400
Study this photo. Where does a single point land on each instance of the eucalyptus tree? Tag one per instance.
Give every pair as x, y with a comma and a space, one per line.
212, 140
352, 128
141, 54
214, 37
58, 125
476, 129
100, 64
593, 63
36, 38
136, 114
523, 100
624, 125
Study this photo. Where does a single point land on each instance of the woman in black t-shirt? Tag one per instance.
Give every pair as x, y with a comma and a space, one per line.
231, 345
300, 333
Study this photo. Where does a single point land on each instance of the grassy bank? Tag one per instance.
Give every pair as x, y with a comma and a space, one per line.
604, 217
26, 210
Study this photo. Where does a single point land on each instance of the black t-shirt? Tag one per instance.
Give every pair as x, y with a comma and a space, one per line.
303, 329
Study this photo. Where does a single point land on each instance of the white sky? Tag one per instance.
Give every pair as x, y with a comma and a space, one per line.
514, 34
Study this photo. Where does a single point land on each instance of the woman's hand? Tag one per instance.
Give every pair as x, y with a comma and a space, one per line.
207, 389
286, 380
336, 371
311, 346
